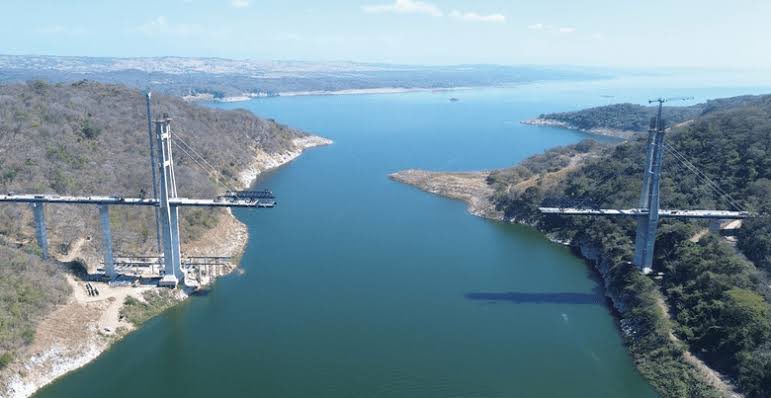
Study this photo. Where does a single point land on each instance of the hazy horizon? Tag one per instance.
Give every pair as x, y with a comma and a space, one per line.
597, 33
623, 68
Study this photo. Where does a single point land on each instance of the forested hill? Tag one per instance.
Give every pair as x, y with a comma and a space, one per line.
90, 138
636, 118
717, 299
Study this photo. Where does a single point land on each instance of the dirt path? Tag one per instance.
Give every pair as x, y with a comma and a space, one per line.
549, 178
715, 379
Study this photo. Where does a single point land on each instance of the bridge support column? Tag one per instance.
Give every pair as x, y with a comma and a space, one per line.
175, 241
645, 238
714, 226
40, 229
109, 263
169, 214
641, 235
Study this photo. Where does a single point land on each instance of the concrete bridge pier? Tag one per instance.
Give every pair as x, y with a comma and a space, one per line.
714, 225
176, 248
642, 221
109, 263
40, 228
645, 238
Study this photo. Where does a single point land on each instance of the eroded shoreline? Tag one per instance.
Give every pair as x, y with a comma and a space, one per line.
607, 132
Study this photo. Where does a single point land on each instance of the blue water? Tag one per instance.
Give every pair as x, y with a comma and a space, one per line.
357, 286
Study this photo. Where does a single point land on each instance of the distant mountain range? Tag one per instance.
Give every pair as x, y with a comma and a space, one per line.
228, 78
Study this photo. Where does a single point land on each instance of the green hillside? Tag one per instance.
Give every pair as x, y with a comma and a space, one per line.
718, 300
634, 117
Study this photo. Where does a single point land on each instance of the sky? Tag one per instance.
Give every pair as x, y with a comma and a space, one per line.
703, 33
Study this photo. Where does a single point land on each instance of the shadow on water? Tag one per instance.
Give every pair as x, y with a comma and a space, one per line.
539, 298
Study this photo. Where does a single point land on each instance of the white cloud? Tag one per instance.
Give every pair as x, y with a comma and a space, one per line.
475, 17
419, 7
405, 7
239, 3
598, 36
566, 29
536, 26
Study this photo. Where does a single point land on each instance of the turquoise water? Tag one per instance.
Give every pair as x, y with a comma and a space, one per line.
357, 286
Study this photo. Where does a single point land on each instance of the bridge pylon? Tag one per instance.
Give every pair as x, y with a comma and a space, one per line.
645, 239
168, 213
647, 224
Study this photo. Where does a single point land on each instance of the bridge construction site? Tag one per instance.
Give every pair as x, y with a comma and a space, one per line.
172, 268
649, 212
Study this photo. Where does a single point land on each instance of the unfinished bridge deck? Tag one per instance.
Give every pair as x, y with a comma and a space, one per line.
117, 201
702, 214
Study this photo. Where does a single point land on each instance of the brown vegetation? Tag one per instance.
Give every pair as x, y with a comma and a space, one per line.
90, 138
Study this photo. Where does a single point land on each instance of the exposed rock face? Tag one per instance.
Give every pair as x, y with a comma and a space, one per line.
264, 161
608, 132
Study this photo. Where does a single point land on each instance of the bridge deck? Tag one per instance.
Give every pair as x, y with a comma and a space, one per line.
116, 201
707, 214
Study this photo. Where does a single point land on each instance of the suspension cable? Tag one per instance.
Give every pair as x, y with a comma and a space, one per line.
189, 147
679, 156
210, 169
705, 179
202, 167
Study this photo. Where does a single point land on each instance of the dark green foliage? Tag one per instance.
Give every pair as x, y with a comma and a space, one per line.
90, 131
717, 298
755, 240
707, 287
633, 117
755, 372
155, 302
627, 117
5, 359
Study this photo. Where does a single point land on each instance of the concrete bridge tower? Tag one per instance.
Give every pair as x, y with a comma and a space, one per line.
647, 224
168, 213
